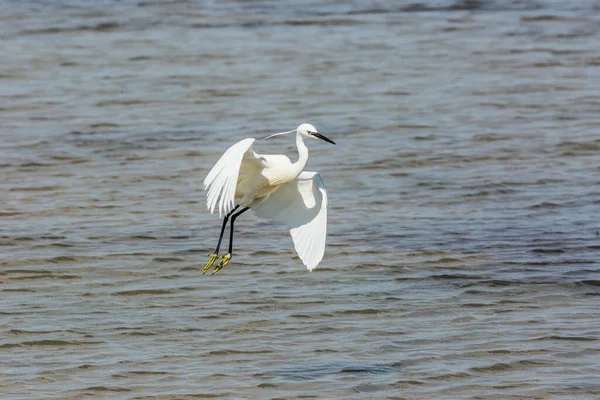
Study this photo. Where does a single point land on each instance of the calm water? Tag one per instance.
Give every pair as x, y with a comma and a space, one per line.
463, 247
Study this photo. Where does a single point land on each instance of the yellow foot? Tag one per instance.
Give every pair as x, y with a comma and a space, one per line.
210, 262
223, 263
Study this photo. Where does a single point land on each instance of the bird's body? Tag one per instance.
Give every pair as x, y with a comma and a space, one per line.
275, 188
257, 180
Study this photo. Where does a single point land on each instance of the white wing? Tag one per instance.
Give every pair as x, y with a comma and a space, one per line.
301, 204
221, 181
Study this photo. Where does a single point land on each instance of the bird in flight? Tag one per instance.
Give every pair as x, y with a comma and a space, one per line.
274, 188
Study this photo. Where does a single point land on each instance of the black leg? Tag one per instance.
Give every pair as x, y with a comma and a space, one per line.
223, 228
233, 217
227, 257
214, 256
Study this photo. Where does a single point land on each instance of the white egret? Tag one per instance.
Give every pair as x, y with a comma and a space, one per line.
274, 188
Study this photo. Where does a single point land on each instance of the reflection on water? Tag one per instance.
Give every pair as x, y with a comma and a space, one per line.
463, 244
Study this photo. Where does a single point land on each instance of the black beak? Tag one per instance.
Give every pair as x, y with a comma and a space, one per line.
317, 134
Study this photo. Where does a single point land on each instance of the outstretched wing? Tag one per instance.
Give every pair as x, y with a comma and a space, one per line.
301, 204
222, 179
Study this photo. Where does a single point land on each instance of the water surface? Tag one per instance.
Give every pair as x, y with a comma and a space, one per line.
463, 247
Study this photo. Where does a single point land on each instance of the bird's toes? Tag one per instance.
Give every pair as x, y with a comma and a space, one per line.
224, 262
210, 262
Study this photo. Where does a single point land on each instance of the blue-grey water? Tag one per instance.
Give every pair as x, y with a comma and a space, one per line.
463, 249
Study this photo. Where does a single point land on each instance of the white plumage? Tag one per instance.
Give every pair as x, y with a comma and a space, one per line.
221, 182
274, 188
301, 204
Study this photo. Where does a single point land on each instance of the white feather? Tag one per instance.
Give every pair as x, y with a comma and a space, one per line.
301, 204
220, 183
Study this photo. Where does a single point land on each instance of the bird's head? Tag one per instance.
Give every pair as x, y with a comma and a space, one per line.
306, 131
309, 131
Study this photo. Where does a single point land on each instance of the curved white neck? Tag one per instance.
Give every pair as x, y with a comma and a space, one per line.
302, 155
